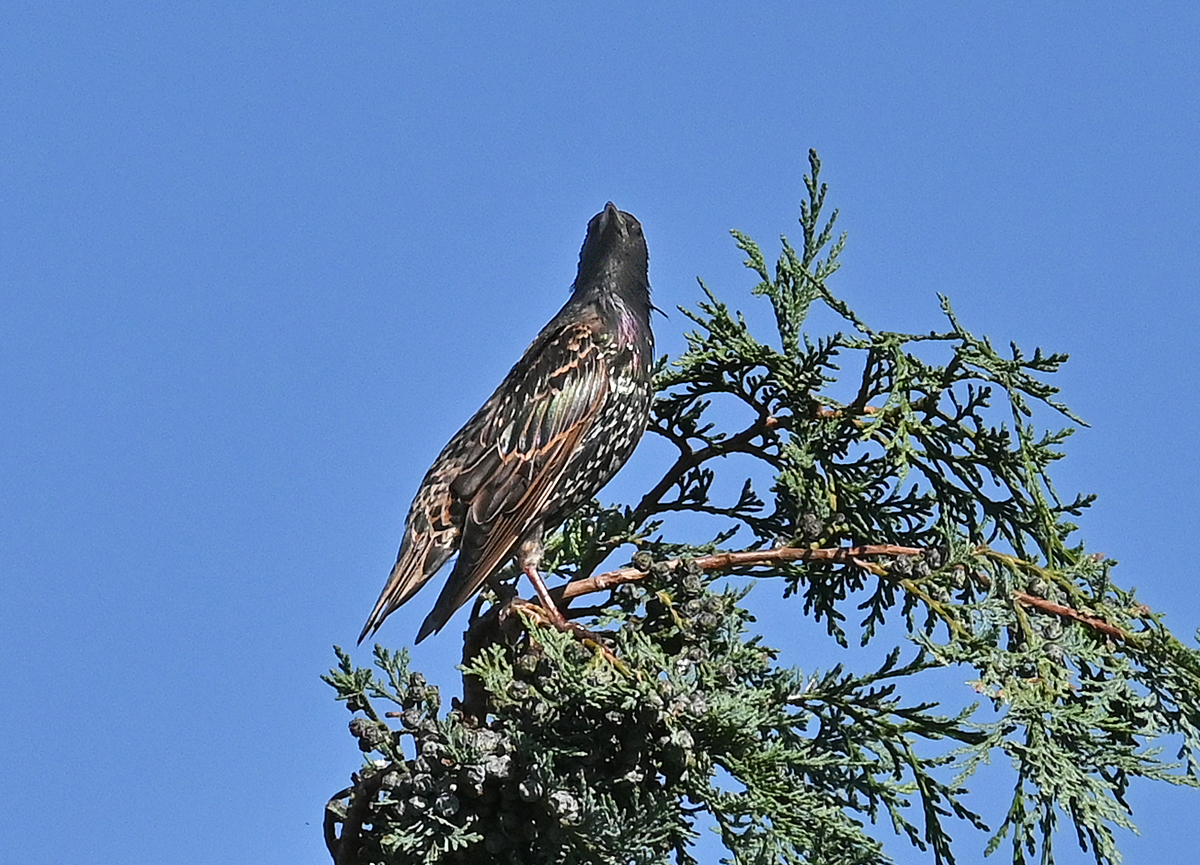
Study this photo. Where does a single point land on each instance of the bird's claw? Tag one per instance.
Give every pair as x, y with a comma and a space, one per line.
557, 620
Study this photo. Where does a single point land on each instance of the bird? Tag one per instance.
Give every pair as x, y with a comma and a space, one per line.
563, 421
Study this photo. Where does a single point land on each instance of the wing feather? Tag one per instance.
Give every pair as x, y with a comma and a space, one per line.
545, 410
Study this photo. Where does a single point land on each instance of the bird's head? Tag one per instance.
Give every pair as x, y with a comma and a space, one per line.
614, 253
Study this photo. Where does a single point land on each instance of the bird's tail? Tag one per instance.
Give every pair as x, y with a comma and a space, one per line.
454, 595
418, 560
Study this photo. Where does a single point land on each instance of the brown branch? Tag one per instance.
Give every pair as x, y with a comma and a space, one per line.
743, 558
1047, 606
1071, 613
851, 555
827, 412
332, 818
344, 850
483, 629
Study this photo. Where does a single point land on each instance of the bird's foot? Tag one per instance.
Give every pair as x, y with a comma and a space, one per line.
549, 613
553, 618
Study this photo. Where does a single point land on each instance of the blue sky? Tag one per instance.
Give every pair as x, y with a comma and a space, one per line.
259, 261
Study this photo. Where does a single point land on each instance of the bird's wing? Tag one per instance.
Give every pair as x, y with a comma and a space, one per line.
543, 410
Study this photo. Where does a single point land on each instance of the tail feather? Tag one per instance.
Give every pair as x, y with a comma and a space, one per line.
454, 594
433, 623
415, 564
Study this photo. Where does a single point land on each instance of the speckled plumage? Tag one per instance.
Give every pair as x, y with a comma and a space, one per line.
560, 425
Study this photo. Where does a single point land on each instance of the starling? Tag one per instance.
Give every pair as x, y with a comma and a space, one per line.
561, 424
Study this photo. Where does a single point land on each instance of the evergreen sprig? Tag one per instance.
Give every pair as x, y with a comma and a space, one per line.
923, 499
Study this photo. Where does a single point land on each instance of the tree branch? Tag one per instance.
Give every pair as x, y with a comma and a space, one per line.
850, 555
742, 558
344, 850
1072, 613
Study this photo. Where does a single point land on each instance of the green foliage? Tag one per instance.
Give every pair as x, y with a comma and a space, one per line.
922, 495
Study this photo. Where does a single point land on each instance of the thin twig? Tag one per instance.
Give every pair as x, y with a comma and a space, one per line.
689, 459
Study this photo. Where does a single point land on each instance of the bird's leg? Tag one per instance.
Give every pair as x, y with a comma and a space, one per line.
539, 586
529, 557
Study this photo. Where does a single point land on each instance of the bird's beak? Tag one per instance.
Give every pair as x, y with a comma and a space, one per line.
613, 219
